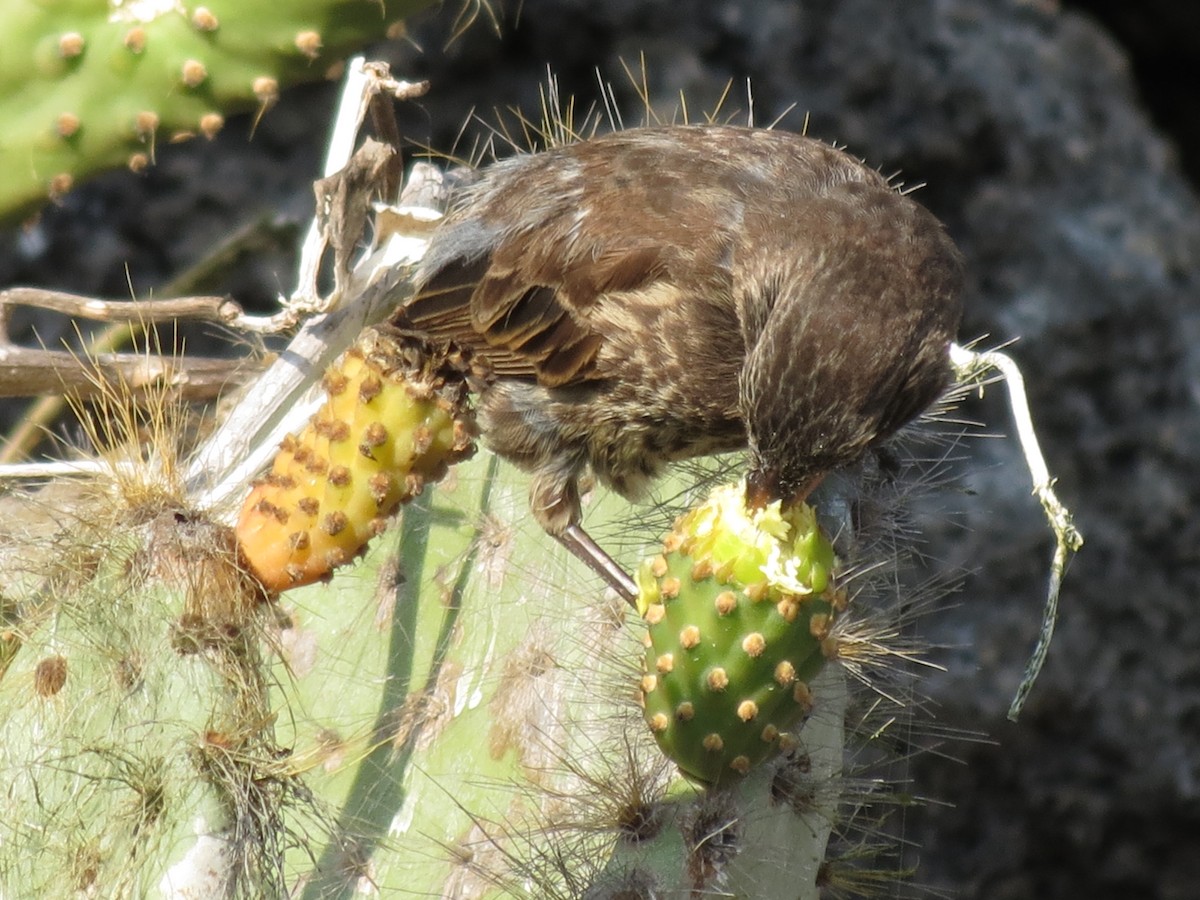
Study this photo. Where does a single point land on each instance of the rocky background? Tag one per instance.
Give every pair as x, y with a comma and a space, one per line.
1060, 163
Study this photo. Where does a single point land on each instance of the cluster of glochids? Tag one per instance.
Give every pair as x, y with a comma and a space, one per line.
396, 415
740, 608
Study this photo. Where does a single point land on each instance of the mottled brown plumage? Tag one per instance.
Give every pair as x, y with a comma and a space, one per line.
664, 293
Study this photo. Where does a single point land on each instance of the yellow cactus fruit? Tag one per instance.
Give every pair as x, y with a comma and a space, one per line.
396, 415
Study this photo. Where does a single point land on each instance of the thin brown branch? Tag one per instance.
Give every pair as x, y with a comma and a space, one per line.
27, 372
137, 312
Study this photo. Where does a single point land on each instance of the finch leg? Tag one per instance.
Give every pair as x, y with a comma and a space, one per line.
580, 543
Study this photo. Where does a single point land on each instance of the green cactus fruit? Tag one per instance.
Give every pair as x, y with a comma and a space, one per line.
739, 607
396, 416
91, 84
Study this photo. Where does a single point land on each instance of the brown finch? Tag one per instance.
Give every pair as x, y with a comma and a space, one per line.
664, 293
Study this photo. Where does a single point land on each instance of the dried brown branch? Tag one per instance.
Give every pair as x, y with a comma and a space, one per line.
382, 110
344, 202
27, 372
135, 312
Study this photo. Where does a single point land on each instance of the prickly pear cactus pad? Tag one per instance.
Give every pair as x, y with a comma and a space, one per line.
396, 416
739, 607
90, 84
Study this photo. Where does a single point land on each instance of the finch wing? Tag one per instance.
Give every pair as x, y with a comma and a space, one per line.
532, 302
537, 258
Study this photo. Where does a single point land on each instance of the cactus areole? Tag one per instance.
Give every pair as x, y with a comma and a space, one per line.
740, 607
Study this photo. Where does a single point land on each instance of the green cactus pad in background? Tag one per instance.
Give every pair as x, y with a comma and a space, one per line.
395, 416
89, 85
740, 607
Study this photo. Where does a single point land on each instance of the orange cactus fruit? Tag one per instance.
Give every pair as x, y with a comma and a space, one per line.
396, 416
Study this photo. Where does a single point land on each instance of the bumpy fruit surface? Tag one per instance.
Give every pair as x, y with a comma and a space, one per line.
740, 608
396, 416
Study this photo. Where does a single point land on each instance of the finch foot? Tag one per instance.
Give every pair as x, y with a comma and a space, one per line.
580, 543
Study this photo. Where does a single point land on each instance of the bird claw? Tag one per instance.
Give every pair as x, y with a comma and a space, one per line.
580, 543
